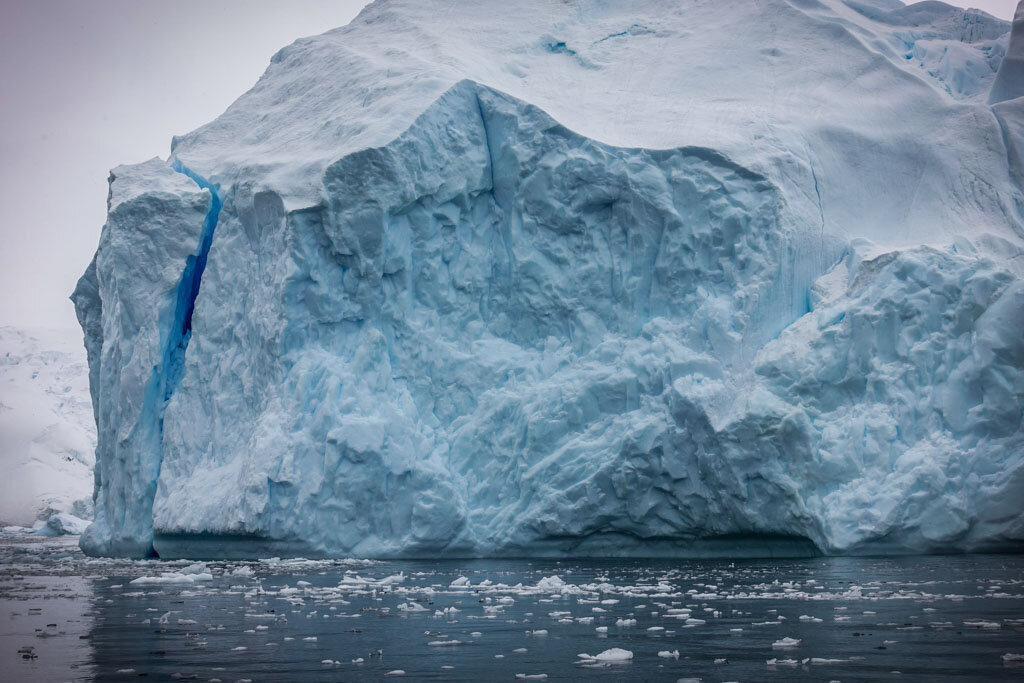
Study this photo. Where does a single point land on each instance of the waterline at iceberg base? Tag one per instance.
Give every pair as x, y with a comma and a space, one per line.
484, 295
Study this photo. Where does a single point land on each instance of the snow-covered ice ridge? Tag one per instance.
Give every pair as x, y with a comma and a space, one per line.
47, 434
538, 278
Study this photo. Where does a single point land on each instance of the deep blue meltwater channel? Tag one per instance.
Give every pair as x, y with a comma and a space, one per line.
946, 618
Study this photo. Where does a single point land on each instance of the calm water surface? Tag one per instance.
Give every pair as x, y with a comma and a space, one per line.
949, 618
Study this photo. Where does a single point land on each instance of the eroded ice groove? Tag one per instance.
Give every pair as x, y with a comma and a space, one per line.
135, 302
454, 321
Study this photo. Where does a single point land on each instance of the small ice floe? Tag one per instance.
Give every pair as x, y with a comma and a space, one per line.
538, 632
694, 622
625, 623
393, 579
172, 578
358, 660
126, 671
310, 639
655, 629
411, 607
444, 643
781, 662
460, 582
721, 660
240, 648
982, 624
615, 654
601, 629
669, 654
531, 677
520, 650
786, 644
1010, 657
809, 619
823, 660
395, 672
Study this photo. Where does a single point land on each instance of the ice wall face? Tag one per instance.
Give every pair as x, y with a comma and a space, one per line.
492, 334
133, 303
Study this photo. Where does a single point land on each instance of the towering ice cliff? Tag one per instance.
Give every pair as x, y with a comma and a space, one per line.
541, 278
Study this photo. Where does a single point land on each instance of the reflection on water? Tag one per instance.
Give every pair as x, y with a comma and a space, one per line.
849, 619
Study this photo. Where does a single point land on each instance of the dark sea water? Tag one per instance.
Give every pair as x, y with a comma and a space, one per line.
939, 618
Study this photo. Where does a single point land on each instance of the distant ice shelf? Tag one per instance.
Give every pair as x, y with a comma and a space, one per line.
487, 291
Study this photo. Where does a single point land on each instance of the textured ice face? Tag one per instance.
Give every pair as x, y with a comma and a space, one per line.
494, 335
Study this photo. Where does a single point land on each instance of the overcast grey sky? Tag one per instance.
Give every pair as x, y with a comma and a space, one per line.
88, 85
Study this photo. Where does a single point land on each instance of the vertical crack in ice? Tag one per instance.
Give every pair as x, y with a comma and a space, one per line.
487, 146
168, 374
817, 193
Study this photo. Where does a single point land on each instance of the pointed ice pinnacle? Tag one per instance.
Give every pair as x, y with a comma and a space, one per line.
1009, 83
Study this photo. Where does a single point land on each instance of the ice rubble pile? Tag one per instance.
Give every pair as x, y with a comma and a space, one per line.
650, 278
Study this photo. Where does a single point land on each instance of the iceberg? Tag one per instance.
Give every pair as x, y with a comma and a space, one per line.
717, 279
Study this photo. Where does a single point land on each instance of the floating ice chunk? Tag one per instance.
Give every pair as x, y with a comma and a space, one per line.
444, 643
781, 662
411, 607
63, 524
669, 654
459, 582
810, 619
786, 643
534, 677
172, 578
615, 654
395, 672
625, 623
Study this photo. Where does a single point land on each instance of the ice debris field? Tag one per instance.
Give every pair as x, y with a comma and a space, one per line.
850, 619
709, 278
